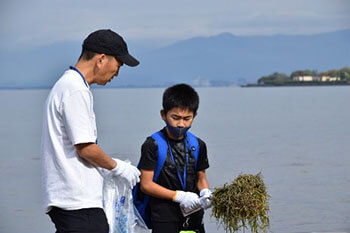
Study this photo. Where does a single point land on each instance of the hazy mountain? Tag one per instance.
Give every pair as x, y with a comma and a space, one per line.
36, 67
217, 60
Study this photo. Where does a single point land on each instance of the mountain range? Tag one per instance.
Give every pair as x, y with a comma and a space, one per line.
219, 60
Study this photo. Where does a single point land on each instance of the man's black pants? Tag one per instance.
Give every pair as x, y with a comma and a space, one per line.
91, 220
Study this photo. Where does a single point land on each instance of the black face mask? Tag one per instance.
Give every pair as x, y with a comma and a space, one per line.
177, 132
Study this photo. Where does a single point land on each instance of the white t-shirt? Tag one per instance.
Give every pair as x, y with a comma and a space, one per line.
69, 182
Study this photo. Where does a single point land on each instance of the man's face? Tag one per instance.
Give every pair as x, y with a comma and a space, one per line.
178, 117
108, 68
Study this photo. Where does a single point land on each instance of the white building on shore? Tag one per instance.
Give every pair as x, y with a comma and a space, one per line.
310, 78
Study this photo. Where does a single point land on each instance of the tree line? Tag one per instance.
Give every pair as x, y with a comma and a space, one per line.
341, 76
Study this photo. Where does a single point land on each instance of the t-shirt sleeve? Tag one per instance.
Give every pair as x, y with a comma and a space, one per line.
203, 162
79, 117
149, 154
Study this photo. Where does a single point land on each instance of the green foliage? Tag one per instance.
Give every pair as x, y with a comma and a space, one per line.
274, 79
332, 73
344, 74
242, 204
277, 79
304, 73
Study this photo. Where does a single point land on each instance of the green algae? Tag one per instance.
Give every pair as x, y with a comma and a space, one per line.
242, 205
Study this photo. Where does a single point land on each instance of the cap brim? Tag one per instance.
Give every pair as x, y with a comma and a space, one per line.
128, 60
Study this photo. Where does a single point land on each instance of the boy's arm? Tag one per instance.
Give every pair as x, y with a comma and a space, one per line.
153, 189
202, 182
148, 162
188, 200
205, 194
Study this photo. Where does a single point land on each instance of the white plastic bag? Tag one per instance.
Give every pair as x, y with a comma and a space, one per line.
121, 213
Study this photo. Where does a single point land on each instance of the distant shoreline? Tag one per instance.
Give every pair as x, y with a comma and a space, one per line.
116, 87
305, 84
196, 86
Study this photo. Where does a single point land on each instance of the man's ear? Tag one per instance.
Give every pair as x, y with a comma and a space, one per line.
100, 59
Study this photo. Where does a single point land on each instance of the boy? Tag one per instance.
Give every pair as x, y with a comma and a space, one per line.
182, 176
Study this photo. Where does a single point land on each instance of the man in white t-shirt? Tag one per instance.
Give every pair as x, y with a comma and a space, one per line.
71, 158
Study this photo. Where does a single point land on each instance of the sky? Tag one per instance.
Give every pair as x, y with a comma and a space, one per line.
157, 22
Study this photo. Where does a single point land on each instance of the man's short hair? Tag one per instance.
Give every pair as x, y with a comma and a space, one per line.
181, 96
86, 55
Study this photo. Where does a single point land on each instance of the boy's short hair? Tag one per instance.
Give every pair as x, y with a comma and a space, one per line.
181, 96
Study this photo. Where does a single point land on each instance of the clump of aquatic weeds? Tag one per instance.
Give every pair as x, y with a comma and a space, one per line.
242, 204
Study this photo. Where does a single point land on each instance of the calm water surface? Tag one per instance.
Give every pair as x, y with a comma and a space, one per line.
297, 137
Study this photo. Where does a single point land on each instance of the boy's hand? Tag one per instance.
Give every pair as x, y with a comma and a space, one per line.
206, 197
187, 200
127, 172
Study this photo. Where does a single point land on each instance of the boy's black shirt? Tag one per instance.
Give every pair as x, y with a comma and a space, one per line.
164, 210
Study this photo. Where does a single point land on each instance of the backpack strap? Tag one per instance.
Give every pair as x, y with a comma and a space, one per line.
194, 146
162, 152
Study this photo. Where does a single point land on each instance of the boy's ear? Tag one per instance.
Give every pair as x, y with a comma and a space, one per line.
162, 114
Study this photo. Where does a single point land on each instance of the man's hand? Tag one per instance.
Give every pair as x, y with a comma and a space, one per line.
127, 172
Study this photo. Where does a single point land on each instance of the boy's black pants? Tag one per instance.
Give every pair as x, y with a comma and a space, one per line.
91, 220
175, 227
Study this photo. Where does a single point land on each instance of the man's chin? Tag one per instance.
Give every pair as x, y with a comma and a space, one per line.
107, 82
102, 84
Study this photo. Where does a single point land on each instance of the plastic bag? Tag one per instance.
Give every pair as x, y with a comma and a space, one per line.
121, 213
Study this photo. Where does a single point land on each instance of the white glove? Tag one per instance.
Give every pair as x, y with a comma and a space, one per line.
188, 201
127, 172
206, 197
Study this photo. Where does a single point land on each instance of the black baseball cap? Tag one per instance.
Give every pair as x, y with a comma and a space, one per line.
110, 43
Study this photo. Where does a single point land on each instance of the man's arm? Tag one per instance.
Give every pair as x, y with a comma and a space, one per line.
153, 189
92, 153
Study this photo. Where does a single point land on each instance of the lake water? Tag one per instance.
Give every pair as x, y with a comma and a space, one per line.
297, 137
